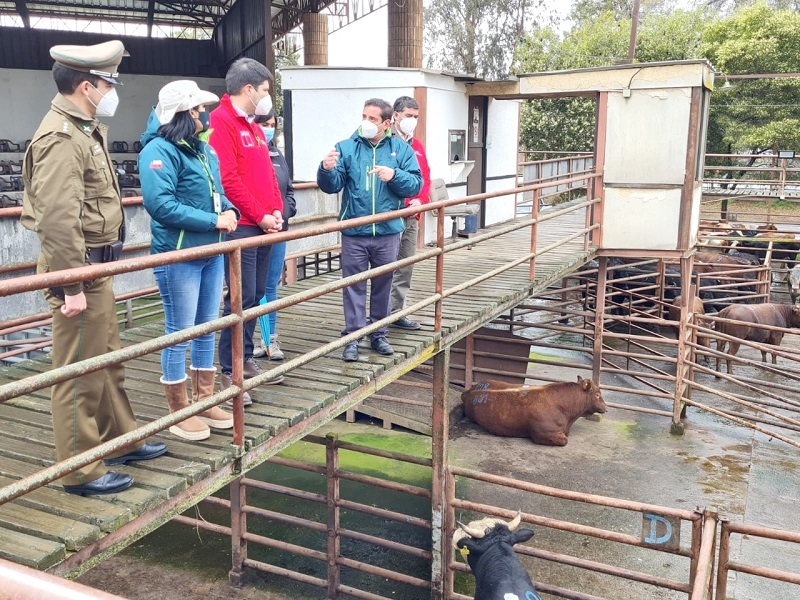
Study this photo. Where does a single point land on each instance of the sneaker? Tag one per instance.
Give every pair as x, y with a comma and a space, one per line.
350, 353
381, 346
260, 352
225, 382
274, 351
253, 369
406, 323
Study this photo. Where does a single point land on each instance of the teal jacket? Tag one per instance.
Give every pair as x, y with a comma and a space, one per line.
366, 194
178, 185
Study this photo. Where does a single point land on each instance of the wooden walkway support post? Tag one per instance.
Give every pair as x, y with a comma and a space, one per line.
599, 317
238, 529
440, 525
334, 541
686, 352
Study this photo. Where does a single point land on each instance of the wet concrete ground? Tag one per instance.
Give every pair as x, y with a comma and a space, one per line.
743, 475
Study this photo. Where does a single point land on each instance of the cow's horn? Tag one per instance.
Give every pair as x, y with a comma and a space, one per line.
470, 531
514, 523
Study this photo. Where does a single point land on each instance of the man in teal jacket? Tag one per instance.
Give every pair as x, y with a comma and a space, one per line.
377, 172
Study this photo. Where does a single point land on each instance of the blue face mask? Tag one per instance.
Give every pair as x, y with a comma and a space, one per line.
269, 132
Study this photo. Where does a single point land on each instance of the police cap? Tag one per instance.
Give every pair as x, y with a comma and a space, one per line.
100, 59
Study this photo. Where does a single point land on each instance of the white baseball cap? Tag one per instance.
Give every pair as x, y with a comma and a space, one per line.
181, 95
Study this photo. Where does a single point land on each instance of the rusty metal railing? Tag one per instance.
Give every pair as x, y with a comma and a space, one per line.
660, 528
238, 316
21, 583
666, 540
749, 531
332, 531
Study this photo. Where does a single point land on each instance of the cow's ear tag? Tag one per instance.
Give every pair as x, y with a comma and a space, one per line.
464, 551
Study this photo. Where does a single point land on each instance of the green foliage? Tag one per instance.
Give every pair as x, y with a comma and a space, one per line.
600, 39
559, 124
477, 36
757, 114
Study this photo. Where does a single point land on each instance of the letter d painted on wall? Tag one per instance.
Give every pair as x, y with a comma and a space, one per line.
661, 531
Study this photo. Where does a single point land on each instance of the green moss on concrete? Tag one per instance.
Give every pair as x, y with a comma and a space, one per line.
375, 466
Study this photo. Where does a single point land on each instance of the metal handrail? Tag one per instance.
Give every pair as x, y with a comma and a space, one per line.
238, 316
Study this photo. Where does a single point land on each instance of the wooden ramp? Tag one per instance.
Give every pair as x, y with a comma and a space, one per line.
49, 529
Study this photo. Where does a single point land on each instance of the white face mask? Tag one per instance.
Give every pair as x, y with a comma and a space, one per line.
368, 129
408, 125
108, 103
264, 105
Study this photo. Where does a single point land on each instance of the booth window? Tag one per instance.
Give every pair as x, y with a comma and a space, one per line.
457, 145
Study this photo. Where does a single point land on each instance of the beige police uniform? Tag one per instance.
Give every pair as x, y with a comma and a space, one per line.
72, 202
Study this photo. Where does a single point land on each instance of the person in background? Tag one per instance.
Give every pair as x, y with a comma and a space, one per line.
183, 195
406, 115
376, 171
250, 184
72, 202
268, 125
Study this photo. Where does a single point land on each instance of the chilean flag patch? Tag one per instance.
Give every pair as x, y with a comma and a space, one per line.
156, 165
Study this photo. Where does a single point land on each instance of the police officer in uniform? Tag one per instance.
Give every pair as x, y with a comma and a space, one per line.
72, 202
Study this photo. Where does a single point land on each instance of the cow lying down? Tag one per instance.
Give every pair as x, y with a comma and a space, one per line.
488, 546
543, 413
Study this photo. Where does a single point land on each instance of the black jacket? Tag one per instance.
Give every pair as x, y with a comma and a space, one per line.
284, 183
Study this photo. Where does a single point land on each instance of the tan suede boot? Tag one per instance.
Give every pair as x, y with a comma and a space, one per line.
202, 388
177, 398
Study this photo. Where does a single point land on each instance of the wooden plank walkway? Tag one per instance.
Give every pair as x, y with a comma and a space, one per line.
752, 192
47, 526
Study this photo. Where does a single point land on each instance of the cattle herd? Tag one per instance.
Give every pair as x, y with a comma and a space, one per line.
545, 413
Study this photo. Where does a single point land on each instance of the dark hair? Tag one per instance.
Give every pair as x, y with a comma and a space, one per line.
386, 108
264, 118
246, 71
404, 102
67, 80
180, 128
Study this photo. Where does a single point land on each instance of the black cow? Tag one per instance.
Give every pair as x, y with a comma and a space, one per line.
488, 546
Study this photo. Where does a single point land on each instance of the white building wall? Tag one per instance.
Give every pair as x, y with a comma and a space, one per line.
502, 142
27, 94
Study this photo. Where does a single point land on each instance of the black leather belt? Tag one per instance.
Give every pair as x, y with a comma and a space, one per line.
104, 254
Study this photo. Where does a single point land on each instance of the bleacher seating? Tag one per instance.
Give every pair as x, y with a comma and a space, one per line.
12, 154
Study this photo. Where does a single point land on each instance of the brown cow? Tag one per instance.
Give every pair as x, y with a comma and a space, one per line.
775, 315
674, 314
543, 413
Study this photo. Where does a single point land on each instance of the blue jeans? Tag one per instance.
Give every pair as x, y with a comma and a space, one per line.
191, 292
274, 277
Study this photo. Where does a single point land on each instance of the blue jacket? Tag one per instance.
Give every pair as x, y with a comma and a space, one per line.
366, 194
178, 183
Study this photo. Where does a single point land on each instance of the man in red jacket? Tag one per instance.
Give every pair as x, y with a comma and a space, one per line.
406, 114
251, 185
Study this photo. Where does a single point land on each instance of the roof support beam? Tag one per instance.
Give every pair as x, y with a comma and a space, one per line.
151, 11
22, 9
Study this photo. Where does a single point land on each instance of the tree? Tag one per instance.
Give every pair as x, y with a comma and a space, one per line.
758, 114
568, 123
585, 11
478, 36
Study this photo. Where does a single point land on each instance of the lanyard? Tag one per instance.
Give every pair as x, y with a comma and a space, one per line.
212, 188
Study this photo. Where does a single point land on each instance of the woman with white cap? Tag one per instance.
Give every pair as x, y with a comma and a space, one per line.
183, 195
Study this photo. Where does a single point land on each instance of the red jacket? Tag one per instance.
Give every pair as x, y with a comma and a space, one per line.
248, 178
424, 195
